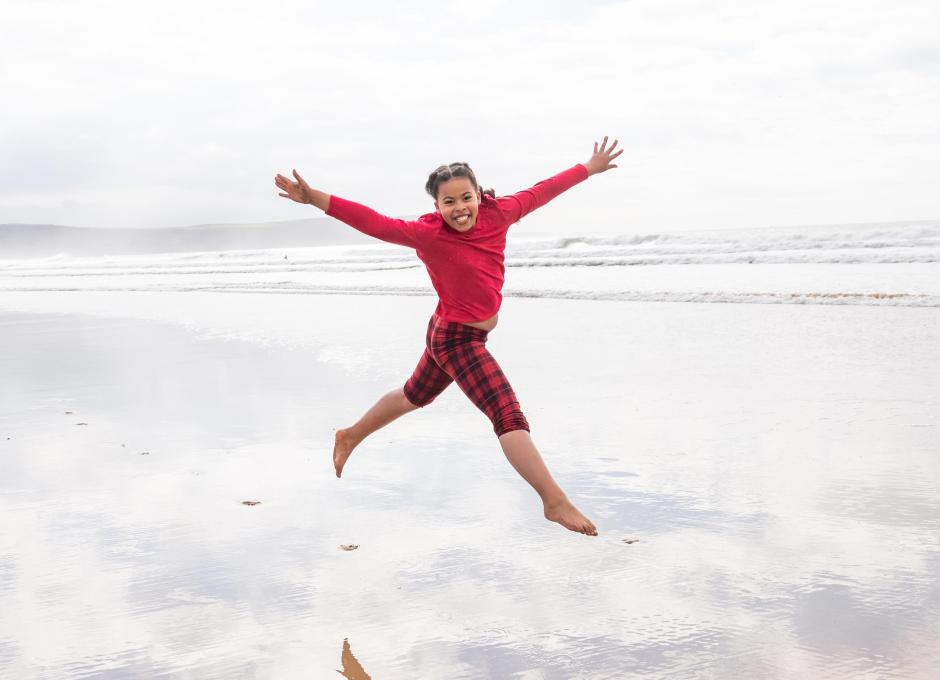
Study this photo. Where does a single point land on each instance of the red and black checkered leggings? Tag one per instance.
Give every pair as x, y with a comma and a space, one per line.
458, 352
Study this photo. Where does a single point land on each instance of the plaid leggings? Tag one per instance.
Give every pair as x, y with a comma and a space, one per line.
457, 352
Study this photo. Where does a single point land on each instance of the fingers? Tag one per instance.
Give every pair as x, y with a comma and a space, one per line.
300, 180
287, 187
603, 149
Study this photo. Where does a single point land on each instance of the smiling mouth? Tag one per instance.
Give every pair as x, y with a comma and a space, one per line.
462, 220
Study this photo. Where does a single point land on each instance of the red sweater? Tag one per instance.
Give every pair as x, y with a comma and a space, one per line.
466, 268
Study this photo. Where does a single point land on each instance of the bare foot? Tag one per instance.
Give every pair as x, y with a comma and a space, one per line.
342, 449
564, 512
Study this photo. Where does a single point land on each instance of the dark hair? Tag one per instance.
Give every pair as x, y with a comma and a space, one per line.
448, 172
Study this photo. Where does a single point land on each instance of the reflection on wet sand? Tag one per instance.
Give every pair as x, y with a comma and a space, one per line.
352, 669
787, 511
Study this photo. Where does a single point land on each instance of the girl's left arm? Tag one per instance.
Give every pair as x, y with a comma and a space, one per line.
520, 204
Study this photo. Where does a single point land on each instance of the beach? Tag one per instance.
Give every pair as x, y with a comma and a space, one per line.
704, 238
773, 518
764, 477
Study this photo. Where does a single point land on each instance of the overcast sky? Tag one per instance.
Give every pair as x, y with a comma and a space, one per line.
733, 114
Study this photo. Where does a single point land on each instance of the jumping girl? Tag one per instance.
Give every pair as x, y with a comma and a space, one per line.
462, 244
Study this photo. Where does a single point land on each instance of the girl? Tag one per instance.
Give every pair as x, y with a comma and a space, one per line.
462, 245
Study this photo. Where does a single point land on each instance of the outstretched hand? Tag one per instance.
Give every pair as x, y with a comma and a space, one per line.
300, 191
600, 160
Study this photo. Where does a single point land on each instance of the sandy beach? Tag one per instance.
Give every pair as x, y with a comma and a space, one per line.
764, 479
710, 232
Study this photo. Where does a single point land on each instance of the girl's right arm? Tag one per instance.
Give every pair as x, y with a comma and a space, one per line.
366, 220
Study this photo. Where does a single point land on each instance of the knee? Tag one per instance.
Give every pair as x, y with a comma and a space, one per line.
406, 402
509, 421
414, 397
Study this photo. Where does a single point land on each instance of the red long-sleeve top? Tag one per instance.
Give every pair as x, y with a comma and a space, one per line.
466, 268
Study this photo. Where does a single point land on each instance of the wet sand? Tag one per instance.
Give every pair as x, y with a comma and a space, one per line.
765, 480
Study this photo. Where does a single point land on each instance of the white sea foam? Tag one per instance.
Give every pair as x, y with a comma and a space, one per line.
870, 264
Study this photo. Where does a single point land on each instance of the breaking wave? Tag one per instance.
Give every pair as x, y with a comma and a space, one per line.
730, 266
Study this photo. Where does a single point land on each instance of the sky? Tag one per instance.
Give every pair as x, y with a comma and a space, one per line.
736, 113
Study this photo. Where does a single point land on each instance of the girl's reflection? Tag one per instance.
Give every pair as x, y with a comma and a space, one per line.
352, 669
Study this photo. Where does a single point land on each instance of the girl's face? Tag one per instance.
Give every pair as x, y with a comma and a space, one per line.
458, 202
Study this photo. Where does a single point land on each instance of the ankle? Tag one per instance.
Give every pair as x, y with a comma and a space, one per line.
553, 500
348, 435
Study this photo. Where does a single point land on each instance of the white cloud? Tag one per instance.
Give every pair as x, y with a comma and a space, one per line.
732, 113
